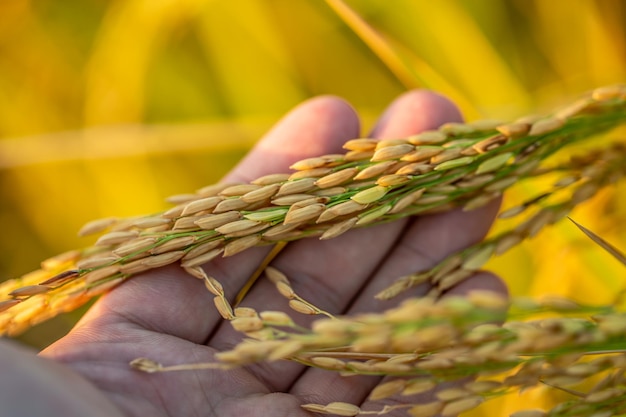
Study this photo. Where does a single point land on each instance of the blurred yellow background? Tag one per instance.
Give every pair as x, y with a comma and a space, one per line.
107, 107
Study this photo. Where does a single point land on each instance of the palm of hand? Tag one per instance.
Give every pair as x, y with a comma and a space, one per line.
169, 316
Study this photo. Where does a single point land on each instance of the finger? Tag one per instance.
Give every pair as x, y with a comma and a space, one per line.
316, 127
169, 301
34, 386
330, 273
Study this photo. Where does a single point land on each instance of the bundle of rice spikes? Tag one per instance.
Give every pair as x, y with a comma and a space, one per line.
448, 351
423, 341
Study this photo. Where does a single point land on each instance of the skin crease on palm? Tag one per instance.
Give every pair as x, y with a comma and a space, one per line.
168, 316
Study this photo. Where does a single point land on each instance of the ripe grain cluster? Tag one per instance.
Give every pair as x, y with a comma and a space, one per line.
374, 181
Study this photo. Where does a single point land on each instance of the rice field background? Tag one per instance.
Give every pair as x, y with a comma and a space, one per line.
108, 107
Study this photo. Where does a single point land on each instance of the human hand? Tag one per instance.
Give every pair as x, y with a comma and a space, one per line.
168, 316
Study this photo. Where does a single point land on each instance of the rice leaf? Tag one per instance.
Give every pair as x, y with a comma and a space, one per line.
617, 254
